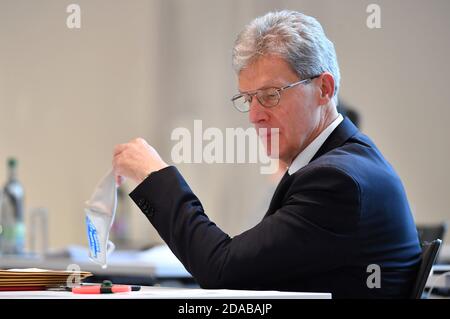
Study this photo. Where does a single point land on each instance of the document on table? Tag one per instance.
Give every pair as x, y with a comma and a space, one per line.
36, 279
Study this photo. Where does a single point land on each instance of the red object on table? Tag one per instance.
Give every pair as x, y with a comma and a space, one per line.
98, 289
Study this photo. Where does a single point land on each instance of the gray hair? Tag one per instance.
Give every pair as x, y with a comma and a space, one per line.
295, 37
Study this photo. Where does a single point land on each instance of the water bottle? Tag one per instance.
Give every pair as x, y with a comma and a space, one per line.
12, 227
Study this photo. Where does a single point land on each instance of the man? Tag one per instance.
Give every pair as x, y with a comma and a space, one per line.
340, 208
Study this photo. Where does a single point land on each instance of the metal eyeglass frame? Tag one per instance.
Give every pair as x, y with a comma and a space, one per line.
277, 90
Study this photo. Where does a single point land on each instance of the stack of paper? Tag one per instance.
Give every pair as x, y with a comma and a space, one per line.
38, 279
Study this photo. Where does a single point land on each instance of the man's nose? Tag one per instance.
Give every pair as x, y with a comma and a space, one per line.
257, 112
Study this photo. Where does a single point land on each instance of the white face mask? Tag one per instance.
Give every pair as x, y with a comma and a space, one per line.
100, 211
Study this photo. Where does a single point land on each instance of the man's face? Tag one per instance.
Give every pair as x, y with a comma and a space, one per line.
296, 115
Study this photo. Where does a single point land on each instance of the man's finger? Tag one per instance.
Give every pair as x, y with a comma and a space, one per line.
119, 148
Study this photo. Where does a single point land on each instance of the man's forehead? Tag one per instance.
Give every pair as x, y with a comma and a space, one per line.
261, 83
265, 72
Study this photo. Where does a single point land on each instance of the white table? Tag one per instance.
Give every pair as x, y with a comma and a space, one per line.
168, 293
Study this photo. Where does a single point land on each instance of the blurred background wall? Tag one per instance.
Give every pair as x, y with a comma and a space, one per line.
143, 68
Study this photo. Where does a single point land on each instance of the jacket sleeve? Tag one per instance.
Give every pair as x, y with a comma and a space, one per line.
311, 232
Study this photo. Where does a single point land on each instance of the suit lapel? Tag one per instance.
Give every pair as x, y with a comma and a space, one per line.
340, 135
279, 193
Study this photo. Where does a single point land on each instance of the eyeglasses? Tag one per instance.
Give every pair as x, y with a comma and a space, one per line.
269, 97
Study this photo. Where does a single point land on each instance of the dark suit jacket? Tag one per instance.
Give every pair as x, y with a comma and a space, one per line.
326, 224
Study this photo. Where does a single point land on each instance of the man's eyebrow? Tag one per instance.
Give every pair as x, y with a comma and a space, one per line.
267, 86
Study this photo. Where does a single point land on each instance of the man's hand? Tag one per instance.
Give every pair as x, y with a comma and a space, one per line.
136, 160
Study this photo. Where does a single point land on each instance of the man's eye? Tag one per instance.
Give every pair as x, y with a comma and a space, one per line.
271, 95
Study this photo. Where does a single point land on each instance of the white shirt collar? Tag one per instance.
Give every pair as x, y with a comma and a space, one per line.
308, 153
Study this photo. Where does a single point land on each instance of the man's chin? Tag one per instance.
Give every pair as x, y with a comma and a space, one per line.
271, 144
273, 152
283, 162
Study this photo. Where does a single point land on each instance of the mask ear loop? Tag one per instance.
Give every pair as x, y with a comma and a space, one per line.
110, 247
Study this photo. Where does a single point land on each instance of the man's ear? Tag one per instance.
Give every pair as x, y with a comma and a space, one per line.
326, 88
